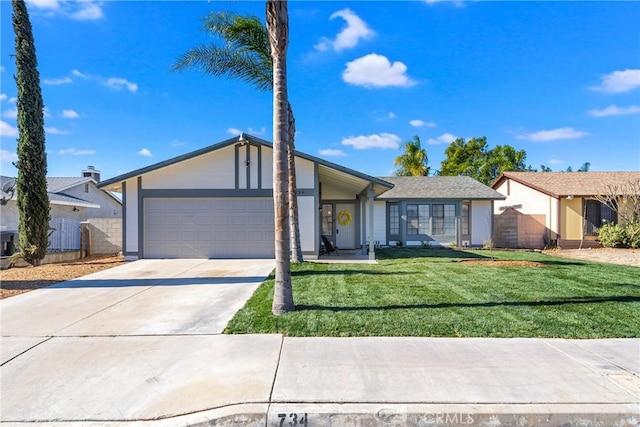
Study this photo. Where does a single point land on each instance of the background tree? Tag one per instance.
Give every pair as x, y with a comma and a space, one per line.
473, 158
584, 168
414, 161
278, 29
31, 184
245, 55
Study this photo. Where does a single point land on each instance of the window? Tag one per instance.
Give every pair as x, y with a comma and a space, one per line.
417, 219
444, 220
86, 188
464, 219
327, 220
595, 213
394, 219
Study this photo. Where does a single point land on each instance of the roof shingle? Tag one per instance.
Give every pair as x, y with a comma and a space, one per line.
560, 184
438, 187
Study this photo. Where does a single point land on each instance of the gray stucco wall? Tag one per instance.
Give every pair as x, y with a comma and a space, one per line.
109, 208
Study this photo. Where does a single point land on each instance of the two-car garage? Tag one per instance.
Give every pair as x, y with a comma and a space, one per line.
208, 228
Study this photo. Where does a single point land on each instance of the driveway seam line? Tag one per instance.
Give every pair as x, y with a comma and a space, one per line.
30, 348
273, 384
607, 377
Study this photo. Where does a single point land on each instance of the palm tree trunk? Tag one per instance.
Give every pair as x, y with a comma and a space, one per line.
278, 27
296, 246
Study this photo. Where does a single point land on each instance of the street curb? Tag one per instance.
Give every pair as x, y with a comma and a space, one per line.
386, 415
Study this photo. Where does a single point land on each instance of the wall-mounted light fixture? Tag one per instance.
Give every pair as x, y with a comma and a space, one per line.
75, 209
569, 197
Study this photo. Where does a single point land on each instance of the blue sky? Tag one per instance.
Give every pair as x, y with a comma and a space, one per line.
560, 80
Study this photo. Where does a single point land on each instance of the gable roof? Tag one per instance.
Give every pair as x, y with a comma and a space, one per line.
562, 184
57, 184
438, 187
55, 197
381, 184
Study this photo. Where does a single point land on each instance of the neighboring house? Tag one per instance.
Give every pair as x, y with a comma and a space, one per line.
545, 208
217, 202
72, 200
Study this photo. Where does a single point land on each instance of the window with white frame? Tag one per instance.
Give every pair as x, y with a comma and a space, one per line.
417, 219
444, 220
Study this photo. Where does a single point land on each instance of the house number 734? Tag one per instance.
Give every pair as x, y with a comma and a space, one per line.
293, 420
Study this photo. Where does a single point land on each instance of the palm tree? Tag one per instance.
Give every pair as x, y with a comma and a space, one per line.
246, 55
278, 30
414, 160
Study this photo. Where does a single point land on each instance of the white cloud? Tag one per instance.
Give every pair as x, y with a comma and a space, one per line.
10, 113
8, 156
46, 112
457, 3
145, 152
74, 152
262, 131
349, 37
56, 82
445, 138
79, 74
421, 123
614, 110
44, 4
392, 115
2, 68
7, 130
384, 140
56, 131
70, 114
375, 70
552, 135
88, 11
556, 161
3, 97
234, 131
81, 10
118, 83
330, 152
176, 143
13, 100
619, 81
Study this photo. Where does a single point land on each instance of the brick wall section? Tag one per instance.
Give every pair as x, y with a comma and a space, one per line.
531, 231
106, 235
505, 230
515, 230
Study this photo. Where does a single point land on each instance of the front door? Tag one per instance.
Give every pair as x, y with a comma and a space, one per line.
345, 226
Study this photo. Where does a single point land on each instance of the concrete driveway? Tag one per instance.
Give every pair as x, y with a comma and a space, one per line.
146, 297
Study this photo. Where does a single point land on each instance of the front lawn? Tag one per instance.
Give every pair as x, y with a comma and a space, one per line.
448, 293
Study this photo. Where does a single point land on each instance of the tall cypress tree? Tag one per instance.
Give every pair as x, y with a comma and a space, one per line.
33, 201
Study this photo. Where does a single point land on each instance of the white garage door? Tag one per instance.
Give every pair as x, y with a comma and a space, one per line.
208, 228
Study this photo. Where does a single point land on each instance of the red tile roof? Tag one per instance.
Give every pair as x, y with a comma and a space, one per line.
560, 184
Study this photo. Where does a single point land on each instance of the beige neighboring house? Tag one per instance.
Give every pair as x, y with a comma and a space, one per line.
545, 208
72, 200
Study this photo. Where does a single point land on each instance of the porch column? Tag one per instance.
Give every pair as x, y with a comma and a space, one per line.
372, 254
363, 226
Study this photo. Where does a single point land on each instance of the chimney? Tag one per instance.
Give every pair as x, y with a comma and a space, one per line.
91, 172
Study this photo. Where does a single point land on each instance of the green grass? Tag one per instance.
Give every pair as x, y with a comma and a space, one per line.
426, 292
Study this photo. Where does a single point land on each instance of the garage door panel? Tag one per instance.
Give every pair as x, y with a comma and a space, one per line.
208, 228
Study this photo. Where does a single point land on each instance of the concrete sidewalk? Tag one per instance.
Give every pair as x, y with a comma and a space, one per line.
101, 353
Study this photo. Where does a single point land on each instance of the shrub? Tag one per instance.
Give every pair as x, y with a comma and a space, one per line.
633, 234
612, 235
